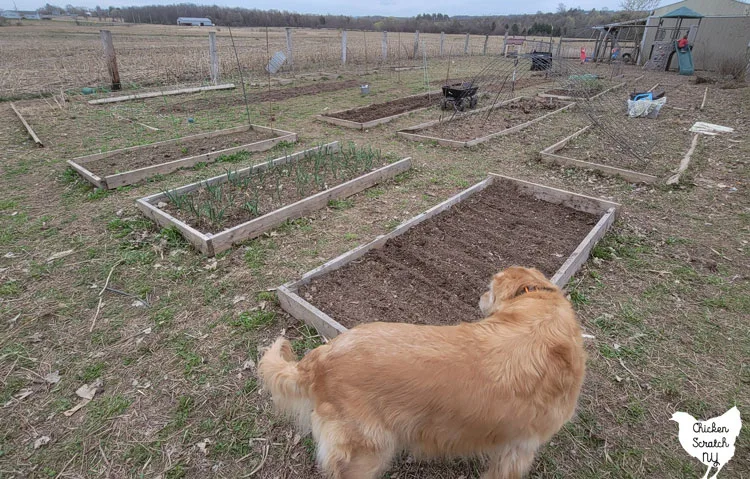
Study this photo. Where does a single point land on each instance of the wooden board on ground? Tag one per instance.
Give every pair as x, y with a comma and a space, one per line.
134, 176
156, 94
412, 134
577, 98
30, 130
328, 327
549, 155
211, 244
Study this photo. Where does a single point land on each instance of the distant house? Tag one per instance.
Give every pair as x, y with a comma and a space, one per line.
18, 15
194, 21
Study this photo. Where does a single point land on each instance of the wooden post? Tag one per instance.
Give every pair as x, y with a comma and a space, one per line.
416, 43
466, 45
214, 58
289, 48
343, 47
442, 41
505, 44
110, 58
486, 39
747, 68
384, 47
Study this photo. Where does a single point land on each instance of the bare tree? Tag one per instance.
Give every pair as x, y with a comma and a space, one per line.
561, 8
638, 5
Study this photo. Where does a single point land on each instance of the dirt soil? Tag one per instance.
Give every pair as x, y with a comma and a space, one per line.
390, 108
184, 148
507, 116
436, 271
258, 96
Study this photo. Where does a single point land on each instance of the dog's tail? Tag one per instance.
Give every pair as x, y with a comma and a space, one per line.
279, 374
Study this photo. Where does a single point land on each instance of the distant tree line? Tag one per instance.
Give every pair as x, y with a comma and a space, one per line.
572, 22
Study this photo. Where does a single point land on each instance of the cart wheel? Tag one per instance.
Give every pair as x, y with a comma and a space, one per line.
473, 102
444, 104
461, 106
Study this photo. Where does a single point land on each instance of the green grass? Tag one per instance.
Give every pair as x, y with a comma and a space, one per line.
92, 372
7, 204
252, 320
97, 194
10, 289
340, 204
106, 407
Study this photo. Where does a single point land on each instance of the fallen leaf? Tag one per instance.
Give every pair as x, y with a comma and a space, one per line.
203, 446
60, 255
88, 391
211, 266
238, 299
42, 441
53, 377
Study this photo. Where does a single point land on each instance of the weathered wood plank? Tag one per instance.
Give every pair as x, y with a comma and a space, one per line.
87, 175
155, 94
581, 253
302, 310
163, 219
29, 130
562, 143
629, 175
587, 204
251, 229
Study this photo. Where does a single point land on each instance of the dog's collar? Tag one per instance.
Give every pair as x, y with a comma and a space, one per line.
531, 289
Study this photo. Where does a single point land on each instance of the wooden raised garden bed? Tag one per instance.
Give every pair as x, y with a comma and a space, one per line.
378, 113
214, 214
470, 129
550, 155
433, 268
127, 166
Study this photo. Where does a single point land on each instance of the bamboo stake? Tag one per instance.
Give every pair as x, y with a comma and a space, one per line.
28, 127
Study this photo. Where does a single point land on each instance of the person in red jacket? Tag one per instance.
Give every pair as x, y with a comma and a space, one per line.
683, 43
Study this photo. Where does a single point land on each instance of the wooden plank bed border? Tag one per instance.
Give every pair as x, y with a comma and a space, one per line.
133, 176
408, 133
328, 327
549, 155
356, 125
575, 98
29, 130
154, 94
211, 244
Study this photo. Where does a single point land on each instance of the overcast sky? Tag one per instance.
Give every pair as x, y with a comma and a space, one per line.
398, 8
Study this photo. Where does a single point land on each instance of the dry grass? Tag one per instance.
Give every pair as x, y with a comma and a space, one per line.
43, 57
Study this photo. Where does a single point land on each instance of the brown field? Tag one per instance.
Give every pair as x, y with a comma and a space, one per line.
96, 293
43, 57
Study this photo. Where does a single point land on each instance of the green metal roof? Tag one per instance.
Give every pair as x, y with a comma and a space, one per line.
682, 12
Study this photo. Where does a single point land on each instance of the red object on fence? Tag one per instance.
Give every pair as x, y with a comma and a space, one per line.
583, 55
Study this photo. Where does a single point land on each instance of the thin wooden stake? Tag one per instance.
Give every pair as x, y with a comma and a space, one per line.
674, 179
703, 103
28, 127
270, 101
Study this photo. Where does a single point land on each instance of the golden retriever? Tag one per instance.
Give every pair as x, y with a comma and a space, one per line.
498, 388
